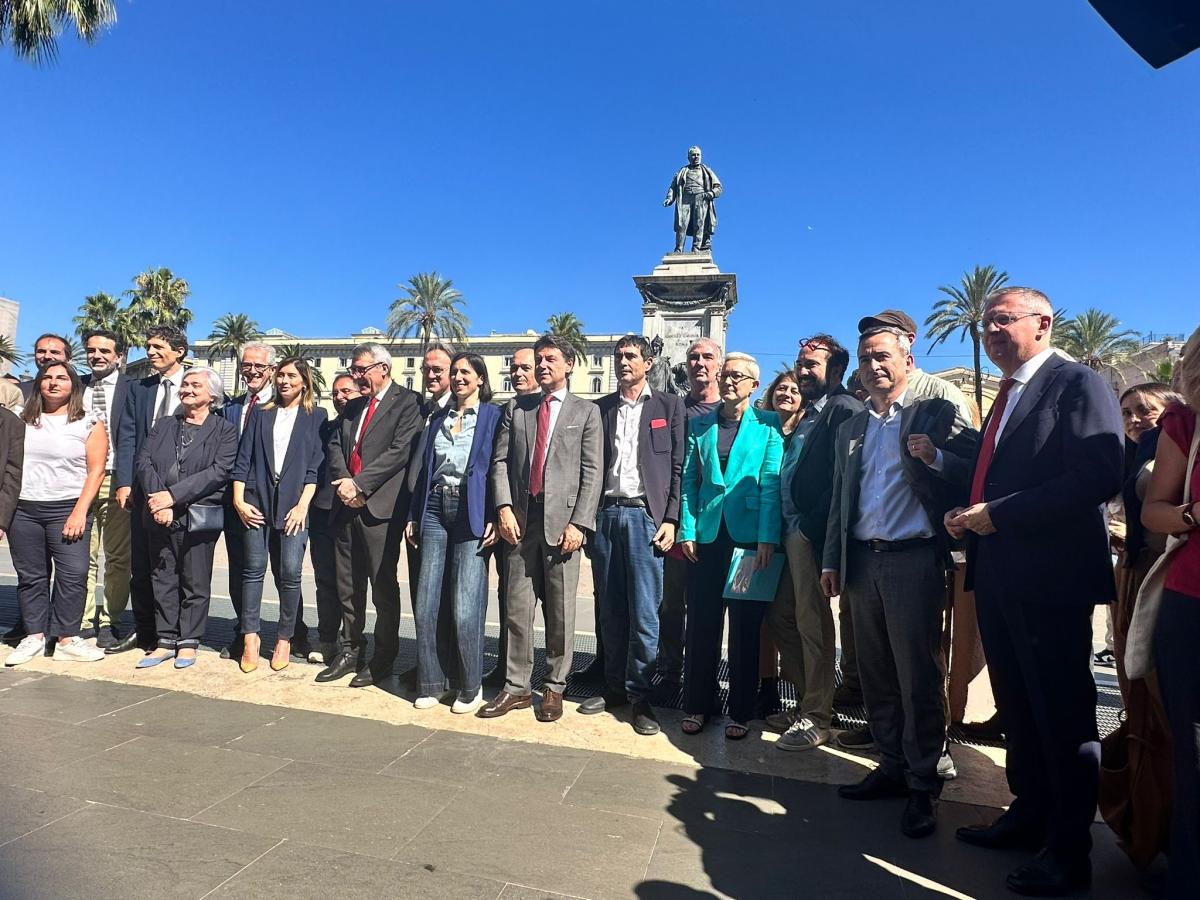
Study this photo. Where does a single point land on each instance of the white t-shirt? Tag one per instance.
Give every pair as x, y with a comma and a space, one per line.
56, 457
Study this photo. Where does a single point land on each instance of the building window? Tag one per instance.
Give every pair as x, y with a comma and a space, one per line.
343, 362
412, 362
597, 361
408, 382
507, 361
507, 383
595, 385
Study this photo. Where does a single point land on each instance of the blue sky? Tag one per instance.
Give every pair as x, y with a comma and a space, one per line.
298, 167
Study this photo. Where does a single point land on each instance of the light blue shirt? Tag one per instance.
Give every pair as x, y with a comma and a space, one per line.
451, 451
888, 509
791, 458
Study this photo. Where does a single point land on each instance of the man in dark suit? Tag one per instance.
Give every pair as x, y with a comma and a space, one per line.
546, 479
146, 401
899, 465
800, 618
12, 458
368, 460
1039, 561
644, 435
105, 391
322, 533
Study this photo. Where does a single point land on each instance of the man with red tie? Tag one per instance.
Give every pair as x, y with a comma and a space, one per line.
546, 479
1038, 558
367, 461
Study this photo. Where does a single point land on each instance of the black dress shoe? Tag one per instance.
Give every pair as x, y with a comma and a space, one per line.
16, 634
875, 786
1047, 876
1003, 834
343, 665
127, 643
644, 720
106, 637
920, 815
601, 702
368, 677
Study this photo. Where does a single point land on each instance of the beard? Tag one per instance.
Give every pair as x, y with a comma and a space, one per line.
812, 388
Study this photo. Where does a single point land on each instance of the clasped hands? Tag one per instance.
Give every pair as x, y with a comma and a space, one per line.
349, 494
962, 519
570, 540
159, 503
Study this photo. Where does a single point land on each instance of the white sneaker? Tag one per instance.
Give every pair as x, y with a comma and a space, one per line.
468, 706
946, 767
76, 649
431, 701
29, 648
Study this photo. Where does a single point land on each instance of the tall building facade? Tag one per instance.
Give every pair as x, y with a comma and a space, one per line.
10, 310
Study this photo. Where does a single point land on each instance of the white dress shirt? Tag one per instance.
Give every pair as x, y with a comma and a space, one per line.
174, 381
264, 396
362, 419
281, 435
556, 404
624, 479
1020, 378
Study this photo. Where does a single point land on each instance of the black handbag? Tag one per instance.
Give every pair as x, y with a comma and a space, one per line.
204, 517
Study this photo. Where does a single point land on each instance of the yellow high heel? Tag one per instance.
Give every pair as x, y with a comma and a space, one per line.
249, 660
286, 646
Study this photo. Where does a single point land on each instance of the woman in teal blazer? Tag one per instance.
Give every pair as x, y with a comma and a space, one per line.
730, 498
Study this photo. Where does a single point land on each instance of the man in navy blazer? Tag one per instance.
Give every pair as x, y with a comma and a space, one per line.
148, 400
1039, 561
644, 439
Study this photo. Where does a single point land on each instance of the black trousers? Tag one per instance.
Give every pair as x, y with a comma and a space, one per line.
1038, 657
322, 548
705, 623
368, 552
181, 574
38, 550
141, 591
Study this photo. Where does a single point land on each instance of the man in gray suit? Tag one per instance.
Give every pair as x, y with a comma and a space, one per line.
899, 465
546, 479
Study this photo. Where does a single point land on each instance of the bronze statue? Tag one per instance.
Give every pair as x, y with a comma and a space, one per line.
694, 190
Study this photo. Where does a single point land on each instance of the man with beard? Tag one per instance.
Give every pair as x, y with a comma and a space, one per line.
800, 618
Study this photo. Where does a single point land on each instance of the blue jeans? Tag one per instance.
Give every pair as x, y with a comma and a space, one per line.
287, 560
453, 564
628, 578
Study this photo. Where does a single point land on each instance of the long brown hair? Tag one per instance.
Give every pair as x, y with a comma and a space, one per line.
307, 394
32, 414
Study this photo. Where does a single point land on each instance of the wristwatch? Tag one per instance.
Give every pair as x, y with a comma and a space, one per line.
1188, 518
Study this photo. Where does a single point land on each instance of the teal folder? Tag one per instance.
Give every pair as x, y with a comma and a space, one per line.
742, 584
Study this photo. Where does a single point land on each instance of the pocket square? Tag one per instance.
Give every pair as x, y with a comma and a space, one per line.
658, 423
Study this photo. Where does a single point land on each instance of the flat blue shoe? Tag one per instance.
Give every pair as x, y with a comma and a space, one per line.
184, 663
149, 662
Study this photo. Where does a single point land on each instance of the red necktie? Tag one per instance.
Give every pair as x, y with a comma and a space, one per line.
356, 464
537, 470
988, 447
249, 409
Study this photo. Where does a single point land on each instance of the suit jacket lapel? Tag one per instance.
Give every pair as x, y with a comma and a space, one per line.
383, 403
1030, 397
741, 448
854, 464
266, 434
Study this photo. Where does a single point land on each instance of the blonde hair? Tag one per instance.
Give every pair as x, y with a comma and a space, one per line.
1187, 371
750, 362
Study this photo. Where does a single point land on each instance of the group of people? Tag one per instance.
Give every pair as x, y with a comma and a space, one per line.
689, 509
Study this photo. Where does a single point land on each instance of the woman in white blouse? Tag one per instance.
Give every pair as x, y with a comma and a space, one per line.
274, 480
65, 452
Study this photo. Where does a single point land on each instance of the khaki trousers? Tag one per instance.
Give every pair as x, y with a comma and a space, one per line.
110, 531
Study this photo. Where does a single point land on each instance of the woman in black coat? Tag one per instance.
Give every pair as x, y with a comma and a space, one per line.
274, 480
183, 467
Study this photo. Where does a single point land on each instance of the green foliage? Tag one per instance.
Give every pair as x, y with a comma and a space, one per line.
9, 352
1095, 339
961, 310
429, 306
229, 333
157, 298
102, 311
568, 326
32, 27
283, 351
1163, 370
76, 353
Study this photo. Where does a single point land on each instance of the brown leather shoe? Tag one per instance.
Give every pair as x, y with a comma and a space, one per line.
505, 702
550, 709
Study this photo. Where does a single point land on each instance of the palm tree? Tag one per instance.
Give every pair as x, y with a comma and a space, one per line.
157, 298
961, 310
1094, 338
566, 325
318, 377
1163, 370
102, 311
76, 352
33, 28
430, 306
9, 352
229, 333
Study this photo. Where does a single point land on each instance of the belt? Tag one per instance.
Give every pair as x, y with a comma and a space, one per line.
639, 502
447, 488
894, 546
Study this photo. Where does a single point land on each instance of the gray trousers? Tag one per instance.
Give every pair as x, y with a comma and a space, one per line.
896, 600
537, 572
801, 621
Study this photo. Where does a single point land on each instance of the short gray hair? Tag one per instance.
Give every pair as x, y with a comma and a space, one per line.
749, 361
1035, 300
258, 345
705, 342
900, 334
216, 384
377, 352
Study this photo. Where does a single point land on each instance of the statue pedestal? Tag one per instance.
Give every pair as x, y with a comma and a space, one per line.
686, 297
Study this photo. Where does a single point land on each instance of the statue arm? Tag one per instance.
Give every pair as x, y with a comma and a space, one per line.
672, 189
716, 185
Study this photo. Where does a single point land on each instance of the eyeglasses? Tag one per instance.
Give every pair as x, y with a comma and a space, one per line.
256, 367
1003, 320
736, 377
363, 370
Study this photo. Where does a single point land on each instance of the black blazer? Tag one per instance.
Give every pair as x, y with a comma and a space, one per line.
255, 464
662, 438
1058, 460
811, 487
205, 470
1135, 531
134, 427
12, 458
116, 410
324, 497
387, 447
